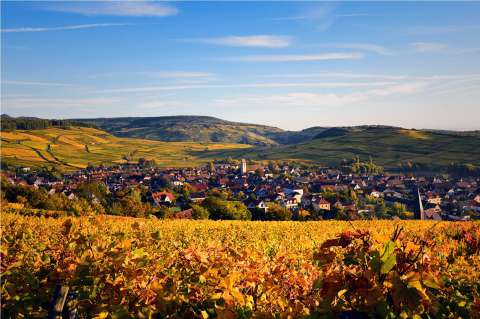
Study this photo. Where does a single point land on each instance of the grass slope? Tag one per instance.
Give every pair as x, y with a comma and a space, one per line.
75, 147
388, 146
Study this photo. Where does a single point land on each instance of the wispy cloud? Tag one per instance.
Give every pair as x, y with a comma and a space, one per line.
264, 41
179, 74
424, 47
341, 75
322, 15
436, 47
369, 47
117, 8
430, 30
21, 103
164, 104
67, 27
293, 99
297, 58
34, 83
158, 74
401, 88
309, 99
324, 85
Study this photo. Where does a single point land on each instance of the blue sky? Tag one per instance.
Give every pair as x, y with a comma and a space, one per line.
288, 64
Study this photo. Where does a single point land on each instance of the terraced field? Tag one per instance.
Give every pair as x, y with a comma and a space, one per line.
76, 147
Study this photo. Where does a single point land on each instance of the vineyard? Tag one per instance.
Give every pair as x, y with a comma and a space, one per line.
118, 267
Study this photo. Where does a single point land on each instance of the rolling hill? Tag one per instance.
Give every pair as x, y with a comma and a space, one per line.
187, 128
200, 129
75, 147
187, 141
388, 146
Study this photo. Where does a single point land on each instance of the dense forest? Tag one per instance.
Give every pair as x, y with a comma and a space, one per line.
9, 123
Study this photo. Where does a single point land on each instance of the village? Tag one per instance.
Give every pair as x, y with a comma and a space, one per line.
306, 193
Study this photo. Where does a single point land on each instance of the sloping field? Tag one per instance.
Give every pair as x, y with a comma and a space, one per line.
76, 147
388, 146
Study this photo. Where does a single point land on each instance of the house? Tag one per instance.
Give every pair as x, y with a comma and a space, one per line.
433, 198
289, 203
321, 204
376, 194
256, 204
70, 195
163, 198
476, 199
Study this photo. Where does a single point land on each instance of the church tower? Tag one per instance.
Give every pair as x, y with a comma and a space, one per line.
243, 168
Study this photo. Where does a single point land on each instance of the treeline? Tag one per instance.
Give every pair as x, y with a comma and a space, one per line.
8, 123
356, 166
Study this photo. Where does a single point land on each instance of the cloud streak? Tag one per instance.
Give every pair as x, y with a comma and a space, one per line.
369, 47
117, 8
309, 99
325, 85
67, 27
424, 47
33, 83
21, 103
263, 41
297, 58
342, 75
431, 30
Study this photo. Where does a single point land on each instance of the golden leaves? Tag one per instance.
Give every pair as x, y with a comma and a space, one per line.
122, 266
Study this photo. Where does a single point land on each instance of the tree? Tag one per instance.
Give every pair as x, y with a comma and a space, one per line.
92, 190
339, 212
220, 209
161, 182
398, 209
199, 212
277, 212
380, 209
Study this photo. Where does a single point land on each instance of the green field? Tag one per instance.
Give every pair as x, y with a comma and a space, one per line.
76, 147
388, 146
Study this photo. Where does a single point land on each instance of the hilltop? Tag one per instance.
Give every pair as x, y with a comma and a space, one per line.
187, 128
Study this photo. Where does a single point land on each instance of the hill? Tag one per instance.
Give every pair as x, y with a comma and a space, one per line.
388, 146
187, 128
75, 147
191, 140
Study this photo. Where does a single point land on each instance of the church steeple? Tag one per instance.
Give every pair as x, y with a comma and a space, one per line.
243, 168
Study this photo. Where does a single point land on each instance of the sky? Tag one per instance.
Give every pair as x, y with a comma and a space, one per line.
291, 65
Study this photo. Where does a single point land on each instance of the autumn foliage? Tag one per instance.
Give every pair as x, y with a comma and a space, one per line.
120, 267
